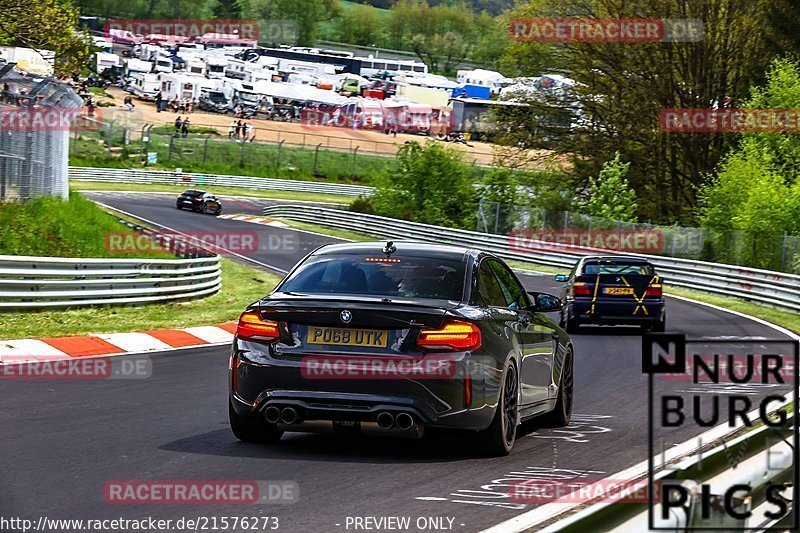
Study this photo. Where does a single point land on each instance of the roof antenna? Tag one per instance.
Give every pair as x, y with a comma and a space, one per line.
389, 249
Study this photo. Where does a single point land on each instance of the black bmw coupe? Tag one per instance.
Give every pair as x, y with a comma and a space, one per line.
393, 338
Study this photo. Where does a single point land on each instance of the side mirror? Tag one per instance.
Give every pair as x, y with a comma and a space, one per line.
545, 303
561, 277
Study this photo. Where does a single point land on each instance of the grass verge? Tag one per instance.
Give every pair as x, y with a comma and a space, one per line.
333, 232
53, 227
241, 285
230, 191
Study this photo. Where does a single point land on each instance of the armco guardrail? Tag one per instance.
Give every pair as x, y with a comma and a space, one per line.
133, 175
772, 288
55, 282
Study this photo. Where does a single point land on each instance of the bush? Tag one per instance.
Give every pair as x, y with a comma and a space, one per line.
432, 185
362, 204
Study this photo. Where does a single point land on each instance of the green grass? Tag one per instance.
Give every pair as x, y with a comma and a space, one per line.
99, 91
202, 130
325, 230
54, 227
786, 319
230, 191
222, 156
241, 286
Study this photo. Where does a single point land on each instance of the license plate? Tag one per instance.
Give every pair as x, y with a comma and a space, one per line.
348, 337
618, 290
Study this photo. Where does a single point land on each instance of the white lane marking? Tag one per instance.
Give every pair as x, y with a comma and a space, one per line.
550, 511
210, 334
134, 341
157, 225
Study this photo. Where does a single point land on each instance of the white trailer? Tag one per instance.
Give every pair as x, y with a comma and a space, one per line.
145, 85
215, 65
177, 86
135, 66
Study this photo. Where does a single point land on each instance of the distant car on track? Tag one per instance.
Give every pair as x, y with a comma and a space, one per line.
613, 290
477, 350
200, 201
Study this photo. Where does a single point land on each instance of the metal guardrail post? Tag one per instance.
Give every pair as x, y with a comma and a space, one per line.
316, 156
353, 168
241, 154
278, 161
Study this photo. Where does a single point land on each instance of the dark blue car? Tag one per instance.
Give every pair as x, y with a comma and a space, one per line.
613, 290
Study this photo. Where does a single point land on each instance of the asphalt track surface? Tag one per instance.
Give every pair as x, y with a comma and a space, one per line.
62, 441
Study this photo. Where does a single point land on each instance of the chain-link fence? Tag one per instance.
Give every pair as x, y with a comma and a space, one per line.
535, 229
35, 118
217, 154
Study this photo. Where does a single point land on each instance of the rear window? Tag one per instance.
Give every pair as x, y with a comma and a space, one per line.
399, 276
193, 193
611, 267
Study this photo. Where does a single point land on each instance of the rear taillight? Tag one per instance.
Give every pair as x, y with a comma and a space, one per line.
252, 327
653, 291
454, 335
581, 289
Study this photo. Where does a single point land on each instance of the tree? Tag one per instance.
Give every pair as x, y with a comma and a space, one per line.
439, 35
432, 184
623, 87
756, 193
307, 14
609, 195
46, 25
227, 10
359, 25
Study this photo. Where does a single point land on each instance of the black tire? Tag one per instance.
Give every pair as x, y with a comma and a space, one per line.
179, 208
569, 324
498, 439
561, 414
660, 326
251, 429
204, 209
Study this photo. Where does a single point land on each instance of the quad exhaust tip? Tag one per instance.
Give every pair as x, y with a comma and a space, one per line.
272, 414
404, 421
289, 415
385, 420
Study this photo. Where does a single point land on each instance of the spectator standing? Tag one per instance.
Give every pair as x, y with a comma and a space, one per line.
159, 102
238, 129
248, 130
185, 126
231, 129
178, 125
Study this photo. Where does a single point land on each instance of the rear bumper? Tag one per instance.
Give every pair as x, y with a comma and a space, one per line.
603, 311
440, 402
